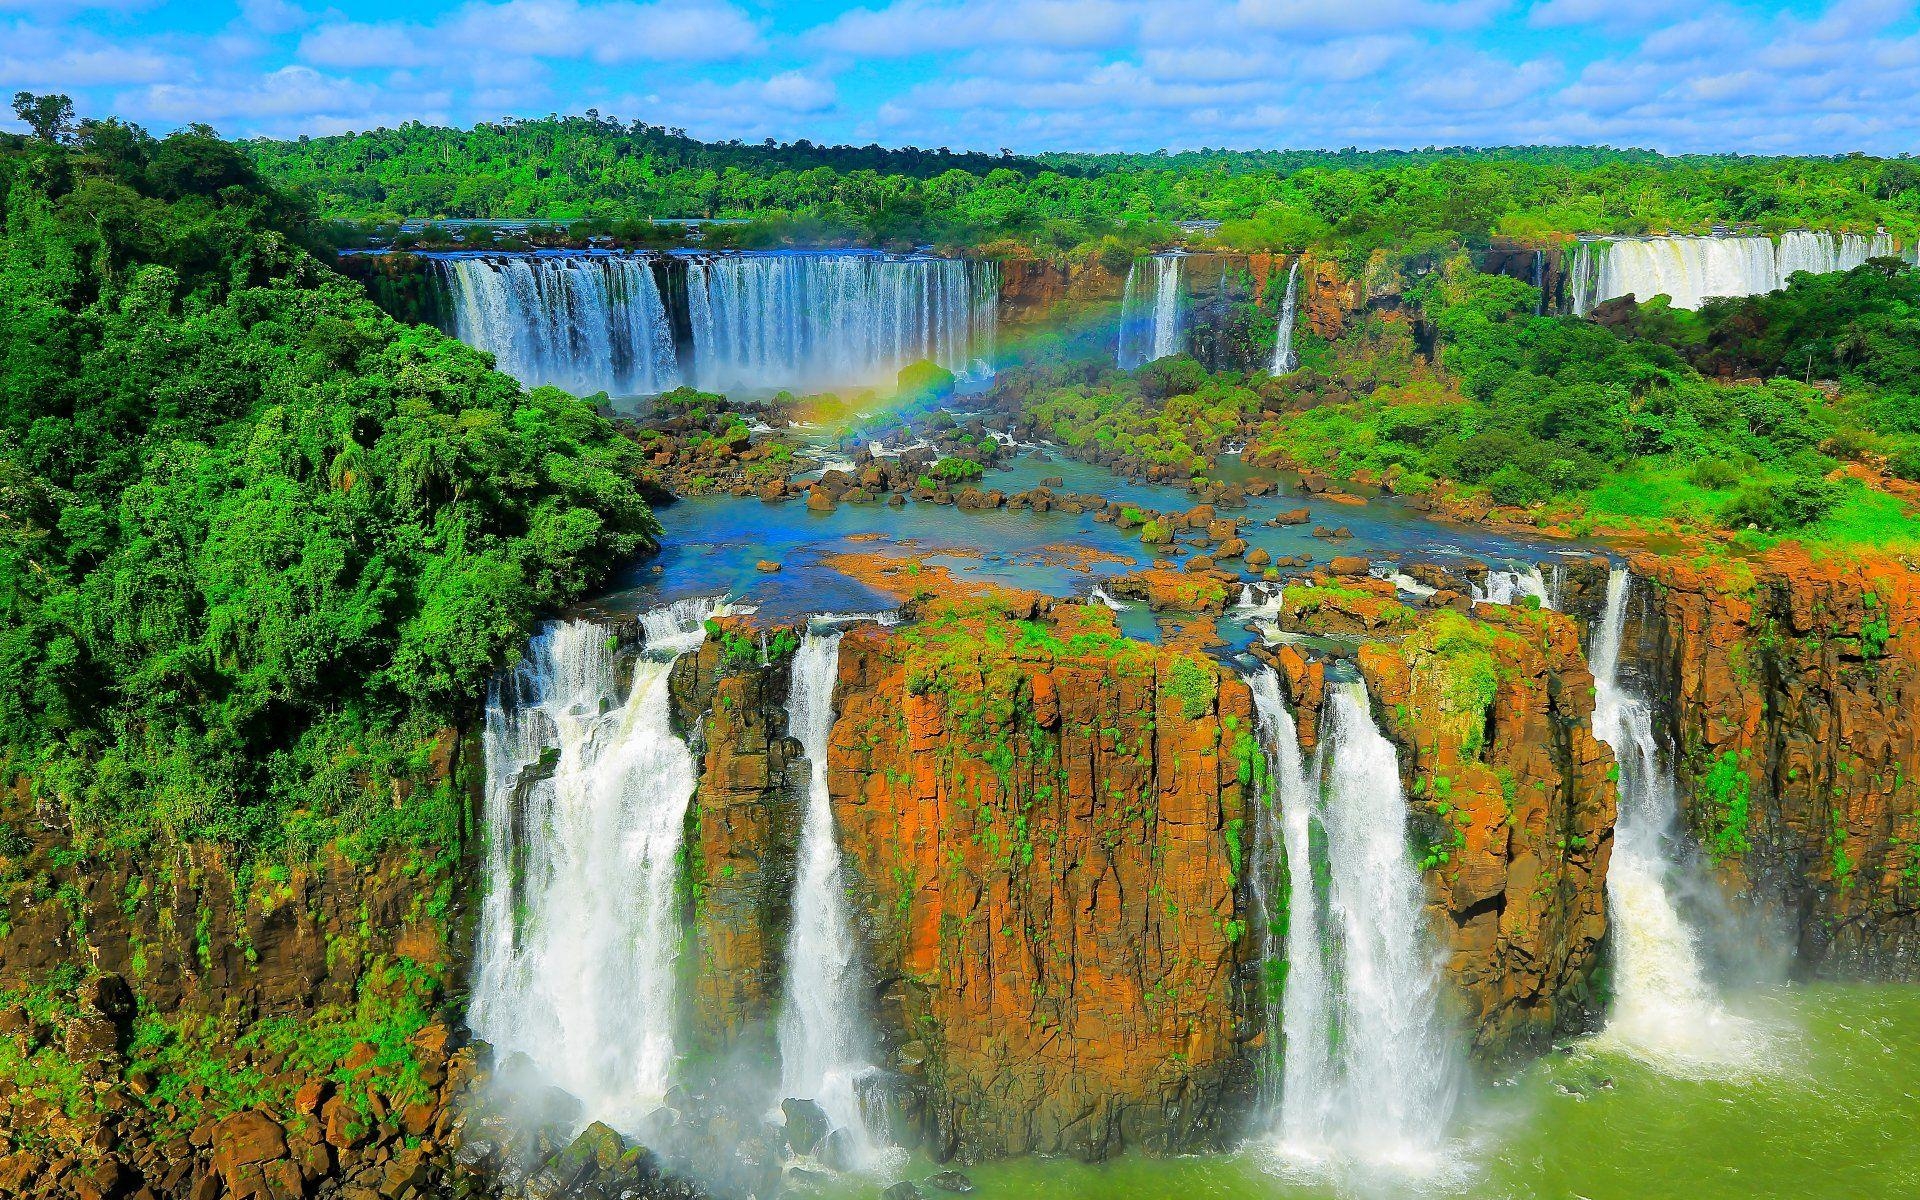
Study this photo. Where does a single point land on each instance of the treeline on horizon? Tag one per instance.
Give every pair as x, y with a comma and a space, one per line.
1347, 202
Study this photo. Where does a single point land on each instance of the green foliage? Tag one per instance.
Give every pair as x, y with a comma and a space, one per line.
952, 470
1726, 787
260, 541
1191, 684
1100, 207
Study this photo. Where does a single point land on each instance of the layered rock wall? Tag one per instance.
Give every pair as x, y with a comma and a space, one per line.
1792, 692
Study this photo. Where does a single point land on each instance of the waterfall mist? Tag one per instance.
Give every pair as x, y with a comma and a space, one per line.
586, 799
826, 1044
1665, 1009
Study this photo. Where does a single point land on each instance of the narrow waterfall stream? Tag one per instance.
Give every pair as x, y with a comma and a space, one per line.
1369, 1073
1284, 359
825, 1042
1299, 1094
1151, 324
1664, 1008
587, 793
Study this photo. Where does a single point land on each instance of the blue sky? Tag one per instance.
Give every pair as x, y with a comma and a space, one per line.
1026, 74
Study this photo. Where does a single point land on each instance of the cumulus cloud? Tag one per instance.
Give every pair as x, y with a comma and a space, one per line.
923, 26
616, 32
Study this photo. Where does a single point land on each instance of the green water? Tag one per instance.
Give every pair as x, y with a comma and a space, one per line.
1832, 1114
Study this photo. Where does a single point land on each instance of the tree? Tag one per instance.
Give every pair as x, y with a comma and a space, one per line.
50, 117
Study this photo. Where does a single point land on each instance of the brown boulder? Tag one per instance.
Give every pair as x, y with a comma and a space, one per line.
246, 1139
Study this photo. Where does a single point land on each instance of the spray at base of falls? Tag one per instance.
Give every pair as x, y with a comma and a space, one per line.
1283, 356
1151, 327
1665, 1011
1369, 1072
825, 1042
579, 931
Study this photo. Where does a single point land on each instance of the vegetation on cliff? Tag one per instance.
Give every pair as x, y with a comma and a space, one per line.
258, 541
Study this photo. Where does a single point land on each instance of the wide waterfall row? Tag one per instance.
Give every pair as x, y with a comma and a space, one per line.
586, 324
1368, 1071
585, 807
634, 325
1691, 269
1664, 1009
1152, 312
817, 320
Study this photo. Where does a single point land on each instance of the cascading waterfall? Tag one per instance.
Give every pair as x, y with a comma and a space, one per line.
1283, 356
1691, 269
586, 323
1509, 586
800, 319
586, 798
1664, 1008
825, 319
1299, 1094
1369, 1073
1151, 327
825, 1045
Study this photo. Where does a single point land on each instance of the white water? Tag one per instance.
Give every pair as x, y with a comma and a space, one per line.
1691, 269
1151, 326
1664, 1008
791, 319
831, 319
579, 931
1283, 356
1298, 1095
1371, 1073
1511, 585
1100, 595
825, 1041
586, 324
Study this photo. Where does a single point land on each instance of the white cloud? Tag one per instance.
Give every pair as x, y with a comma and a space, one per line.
922, 26
617, 32
1613, 14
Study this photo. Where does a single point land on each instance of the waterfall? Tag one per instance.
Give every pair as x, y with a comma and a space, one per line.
1690, 269
1100, 595
585, 802
799, 319
1664, 1008
1151, 327
1299, 1094
825, 1045
1510, 585
1283, 356
586, 323
1369, 1072
1540, 281
829, 319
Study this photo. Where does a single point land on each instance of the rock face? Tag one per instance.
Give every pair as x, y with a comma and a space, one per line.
1792, 687
1038, 814
109, 957
746, 817
1510, 793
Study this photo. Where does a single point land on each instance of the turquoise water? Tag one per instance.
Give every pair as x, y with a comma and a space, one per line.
713, 543
1832, 1113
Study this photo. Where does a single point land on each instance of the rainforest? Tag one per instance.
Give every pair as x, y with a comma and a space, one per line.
562, 659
